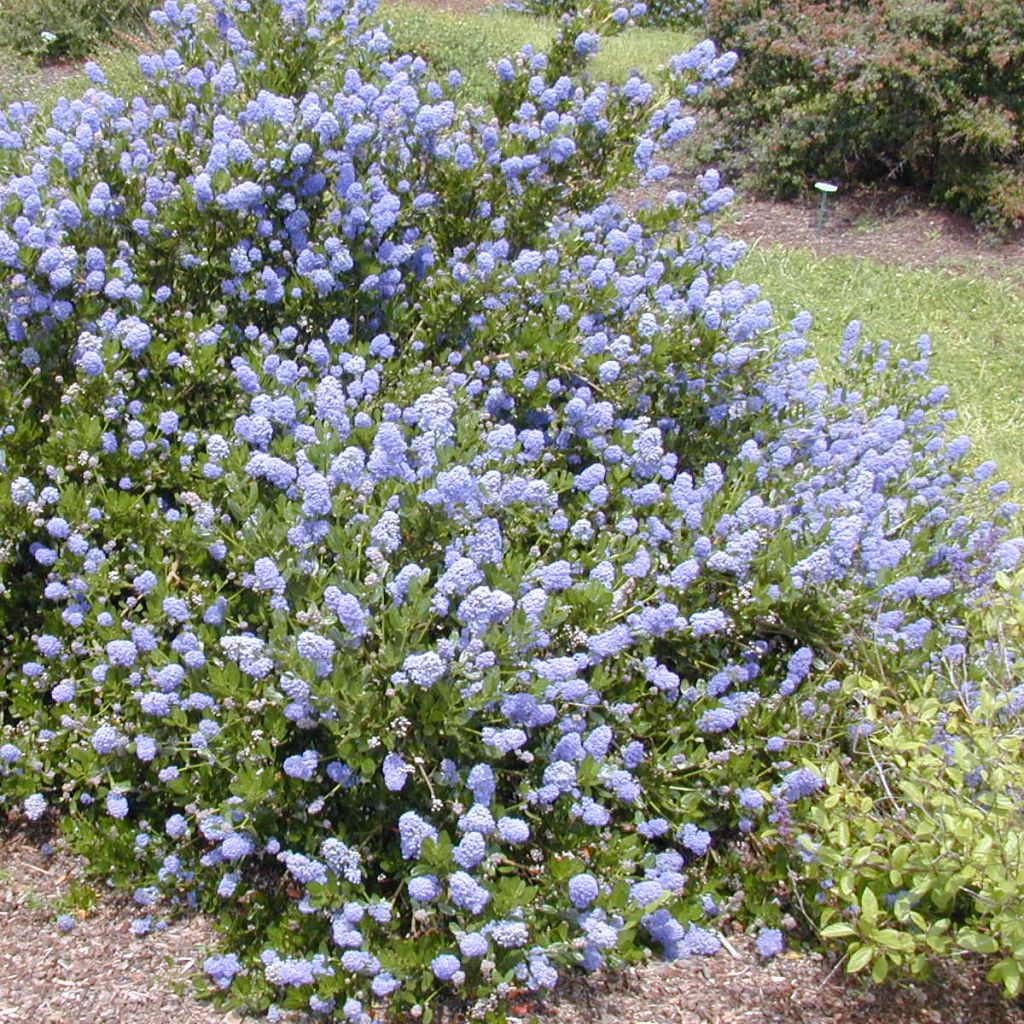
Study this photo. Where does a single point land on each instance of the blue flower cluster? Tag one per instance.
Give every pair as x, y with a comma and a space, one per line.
412, 545
613, 16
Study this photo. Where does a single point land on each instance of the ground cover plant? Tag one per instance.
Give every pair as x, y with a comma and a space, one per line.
442, 578
923, 92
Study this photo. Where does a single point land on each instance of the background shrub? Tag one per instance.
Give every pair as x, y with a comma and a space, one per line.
924, 92
52, 29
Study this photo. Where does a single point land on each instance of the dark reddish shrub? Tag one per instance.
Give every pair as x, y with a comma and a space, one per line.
926, 92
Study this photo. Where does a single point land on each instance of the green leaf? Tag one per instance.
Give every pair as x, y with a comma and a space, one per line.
860, 959
976, 942
838, 930
879, 969
893, 939
869, 906
1008, 973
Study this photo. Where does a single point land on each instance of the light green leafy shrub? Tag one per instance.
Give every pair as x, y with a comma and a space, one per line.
918, 847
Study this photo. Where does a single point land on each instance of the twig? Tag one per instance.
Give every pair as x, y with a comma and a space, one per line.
34, 867
885, 782
828, 977
729, 948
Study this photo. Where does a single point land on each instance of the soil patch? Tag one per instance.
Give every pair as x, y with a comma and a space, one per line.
890, 226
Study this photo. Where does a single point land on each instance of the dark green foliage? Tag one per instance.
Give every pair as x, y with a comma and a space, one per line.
50, 29
925, 92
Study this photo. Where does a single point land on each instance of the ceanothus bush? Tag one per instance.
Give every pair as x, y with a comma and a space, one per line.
676, 14
436, 574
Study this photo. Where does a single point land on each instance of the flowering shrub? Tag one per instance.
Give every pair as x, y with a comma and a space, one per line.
654, 13
920, 91
434, 573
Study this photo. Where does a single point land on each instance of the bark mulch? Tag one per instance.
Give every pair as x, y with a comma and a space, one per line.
97, 971
890, 225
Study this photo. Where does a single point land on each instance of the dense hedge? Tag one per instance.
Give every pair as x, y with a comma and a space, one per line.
925, 92
440, 577
51, 29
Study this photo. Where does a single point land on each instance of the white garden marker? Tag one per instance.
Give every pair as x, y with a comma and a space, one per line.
826, 189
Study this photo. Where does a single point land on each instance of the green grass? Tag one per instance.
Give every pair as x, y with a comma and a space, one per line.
473, 42
20, 79
976, 325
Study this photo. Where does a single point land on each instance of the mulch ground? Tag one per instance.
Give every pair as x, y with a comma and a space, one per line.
97, 971
888, 225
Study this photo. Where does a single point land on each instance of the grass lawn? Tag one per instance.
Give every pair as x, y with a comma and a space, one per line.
20, 79
976, 325
472, 43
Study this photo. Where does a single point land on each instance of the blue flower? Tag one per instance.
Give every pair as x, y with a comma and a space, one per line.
507, 934
396, 772
750, 799
484, 607
471, 850
121, 652
423, 670
583, 890
513, 831
424, 888
303, 869
768, 942
413, 832
708, 623
105, 739
477, 819
586, 44
717, 720
34, 806
445, 966
222, 968
473, 945
696, 840
301, 766
117, 805
799, 783
467, 894
317, 649
349, 612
